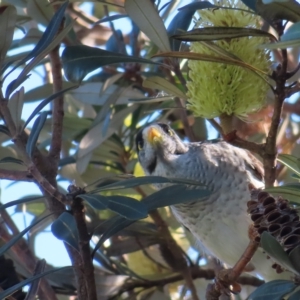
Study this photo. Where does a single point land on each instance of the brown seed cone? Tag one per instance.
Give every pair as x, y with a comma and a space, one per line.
276, 216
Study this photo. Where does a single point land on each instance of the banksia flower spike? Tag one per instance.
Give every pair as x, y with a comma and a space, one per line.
217, 89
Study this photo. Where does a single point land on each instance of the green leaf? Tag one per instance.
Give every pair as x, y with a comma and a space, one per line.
137, 181
279, 10
20, 201
250, 3
157, 82
290, 161
40, 11
145, 15
43, 91
290, 192
18, 236
8, 17
15, 105
291, 38
110, 19
294, 258
273, 290
93, 140
274, 249
127, 207
220, 33
45, 102
64, 228
174, 194
152, 99
25, 282
9, 159
211, 58
295, 296
96, 201
78, 61
35, 131
116, 224
39, 269
24, 74
46, 39
4, 129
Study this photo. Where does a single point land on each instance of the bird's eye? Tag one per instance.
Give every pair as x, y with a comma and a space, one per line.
170, 132
140, 145
166, 129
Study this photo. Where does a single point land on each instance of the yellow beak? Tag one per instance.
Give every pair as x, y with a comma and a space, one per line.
153, 135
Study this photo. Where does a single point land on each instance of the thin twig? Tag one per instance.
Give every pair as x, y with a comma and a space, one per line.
228, 277
270, 151
58, 104
84, 246
16, 175
196, 272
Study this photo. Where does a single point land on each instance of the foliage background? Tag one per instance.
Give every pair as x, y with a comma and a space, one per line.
91, 144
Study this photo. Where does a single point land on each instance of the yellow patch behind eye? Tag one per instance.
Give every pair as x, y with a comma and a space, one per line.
170, 132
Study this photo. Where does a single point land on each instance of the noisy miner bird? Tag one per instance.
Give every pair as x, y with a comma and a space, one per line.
220, 222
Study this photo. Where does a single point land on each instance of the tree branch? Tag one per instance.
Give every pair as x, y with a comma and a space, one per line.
270, 151
24, 254
196, 272
58, 103
228, 277
84, 245
16, 175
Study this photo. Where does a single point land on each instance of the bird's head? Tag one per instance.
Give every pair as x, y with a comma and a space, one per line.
157, 143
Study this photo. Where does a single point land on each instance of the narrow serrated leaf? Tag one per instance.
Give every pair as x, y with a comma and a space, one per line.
152, 99
47, 101
15, 105
4, 129
290, 192
39, 269
220, 33
174, 194
96, 201
274, 249
110, 19
20, 201
25, 282
273, 290
127, 207
8, 17
46, 39
35, 131
78, 61
18, 236
157, 82
9, 159
137, 181
145, 15
64, 228
290, 161
117, 223
211, 58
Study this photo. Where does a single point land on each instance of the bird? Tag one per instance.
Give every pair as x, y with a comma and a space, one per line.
219, 223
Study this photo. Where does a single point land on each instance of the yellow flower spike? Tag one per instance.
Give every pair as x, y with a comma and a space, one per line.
216, 89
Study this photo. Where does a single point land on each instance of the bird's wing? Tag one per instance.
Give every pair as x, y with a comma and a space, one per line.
256, 167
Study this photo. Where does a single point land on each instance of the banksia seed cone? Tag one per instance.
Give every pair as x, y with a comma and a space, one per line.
277, 217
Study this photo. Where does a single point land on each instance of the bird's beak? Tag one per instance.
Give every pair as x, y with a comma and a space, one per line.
154, 135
